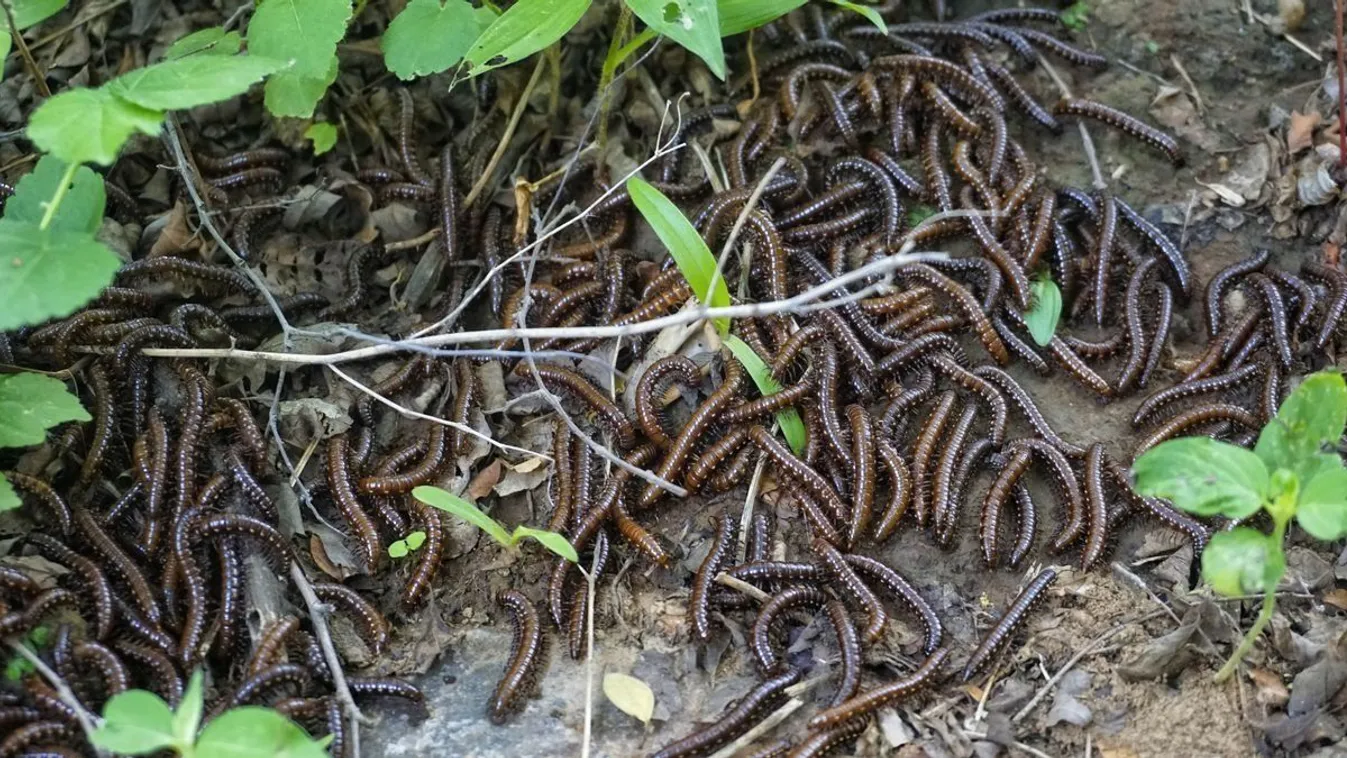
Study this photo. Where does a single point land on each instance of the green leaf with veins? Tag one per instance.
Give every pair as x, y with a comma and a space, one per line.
525, 28
684, 243
428, 37
80, 211
1322, 508
1310, 421
550, 540
192, 81
1045, 310
135, 722
292, 95
249, 731
1236, 562
187, 719
9, 499
869, 13
450, 503
89, 125
48, 273
30, 404
739, 16
1203, 476
792, 426
213, 40
694, 24
323, 136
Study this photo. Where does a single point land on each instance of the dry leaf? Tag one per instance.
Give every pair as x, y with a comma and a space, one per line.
319, 554
631, 695
482, 484
528, 464
1291, 13
1300, 131
1337, 598
176, 235
1271, 691
1118, 752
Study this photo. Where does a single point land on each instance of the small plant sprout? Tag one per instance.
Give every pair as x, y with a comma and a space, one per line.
454, 505
1076, 15
407, 545
1045, 310
137, 722
1293, 473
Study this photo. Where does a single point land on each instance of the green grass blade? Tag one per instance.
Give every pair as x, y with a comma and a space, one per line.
550, 540
791, 424
457, 506
688, 248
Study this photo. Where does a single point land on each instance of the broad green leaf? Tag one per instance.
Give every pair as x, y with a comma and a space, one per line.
323, 136
550, 540
527, 27
1322, 510
688, 248
305, 32
398, 549
135, 722
1235, 562
428, 37
792, 426
869, 13
415, 540
30, 12
9, 499
631, 695
457, 506
193, 81
89, 125
82, 208
250, 731
30, 404
187, 719
17, 669
694, 24
48, 273
1309, 420
6, 42
1203, 476
294, 95
738, 16
213, 40
1045, 310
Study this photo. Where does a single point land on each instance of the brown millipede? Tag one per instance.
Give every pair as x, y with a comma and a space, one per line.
1123, 122
650, 391
867, 702
1013, 618
817, 489
343, 494
735, 721
854, 587
525, 658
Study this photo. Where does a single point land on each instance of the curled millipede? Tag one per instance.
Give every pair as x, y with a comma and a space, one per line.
1013, 618
734, 722
522, 670
760, 634
693, 431
872, 700
93, 581
818, 491
556, 377
374, 628
649, 391
905, 593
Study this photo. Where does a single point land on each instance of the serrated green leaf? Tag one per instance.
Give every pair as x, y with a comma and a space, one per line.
428, 37
550, 540
135, 722
46, 273
323, 136
738, 16
187, 719
686, 246
1203, 476
527, 27
694, 24
1309, 421
30, 404
415, 540
792, 426
89, 125
292, 95
1322, 509
631, 695
189, 82
9, 499
80, 211
869, 13
457, 506
1045, 310
305, 32
251, 731
213, 40
1236, 562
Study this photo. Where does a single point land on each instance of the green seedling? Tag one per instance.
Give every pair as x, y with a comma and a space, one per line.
454, 505
137, 722
1045, 310
1293, 473
407, 545
1076, 16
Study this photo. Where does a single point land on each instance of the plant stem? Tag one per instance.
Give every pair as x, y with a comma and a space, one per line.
1342, 86
56, 199
1280, 519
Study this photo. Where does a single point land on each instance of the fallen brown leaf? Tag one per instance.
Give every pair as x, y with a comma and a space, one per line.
1271, 690
1337, 598
176, 236
319, 554
482, 484
1300, 130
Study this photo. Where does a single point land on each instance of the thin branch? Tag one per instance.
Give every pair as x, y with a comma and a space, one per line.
318, 615
89, 723
739, 222
509, 132
740, 585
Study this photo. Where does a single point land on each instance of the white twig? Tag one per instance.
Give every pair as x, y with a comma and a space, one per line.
1086, 141
318, 615
738, 227
89, 723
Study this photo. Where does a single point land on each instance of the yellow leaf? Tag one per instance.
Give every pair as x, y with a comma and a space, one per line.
631, 695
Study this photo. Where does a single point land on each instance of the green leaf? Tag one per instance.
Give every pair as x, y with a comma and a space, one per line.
1076, 16
688, 248
415, 540
323, 136
18, 668
917, 214
738, 16
527, 27
694, 24
1045, 310
46, 273
1309, 421
457, 506
1203, 476
250, 731
1322, 510
187, 719
135, 722
869, 13
32, 403
80, 211
30, 12
428, 37
1236, 562
292, 95
193, 81
550, 540
792, 426
89, 125
305, 32
398, 549
213, 40
9, 499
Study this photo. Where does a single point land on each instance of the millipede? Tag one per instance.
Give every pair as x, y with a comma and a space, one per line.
871, 700
522, 669
343, 494
735, 721
1014, 617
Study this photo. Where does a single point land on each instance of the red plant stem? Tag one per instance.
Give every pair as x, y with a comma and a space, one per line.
1342, 90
